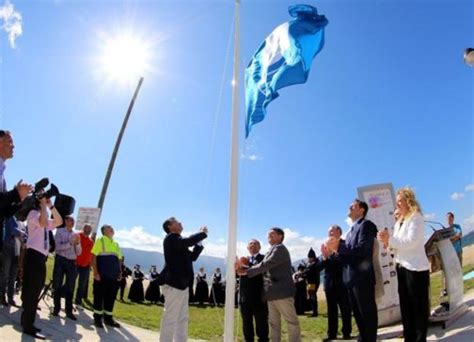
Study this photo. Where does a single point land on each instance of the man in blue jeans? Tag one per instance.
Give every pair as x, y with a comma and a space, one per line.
68, 247
10, 254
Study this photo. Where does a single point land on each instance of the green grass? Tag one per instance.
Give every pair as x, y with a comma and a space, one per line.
207, 322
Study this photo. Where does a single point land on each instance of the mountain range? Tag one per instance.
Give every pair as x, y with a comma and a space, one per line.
146, 258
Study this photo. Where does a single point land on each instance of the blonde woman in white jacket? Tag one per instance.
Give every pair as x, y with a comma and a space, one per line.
407, 244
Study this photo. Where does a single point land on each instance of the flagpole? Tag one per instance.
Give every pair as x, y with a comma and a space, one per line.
234, 173
108, 174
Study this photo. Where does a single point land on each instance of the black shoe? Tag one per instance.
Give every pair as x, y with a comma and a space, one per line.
71, 316
3, 302
37, 329
55, 313
111, 323
346, 337
35, 334
98, 324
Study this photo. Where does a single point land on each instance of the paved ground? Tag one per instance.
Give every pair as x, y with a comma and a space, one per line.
461, 330
62, 329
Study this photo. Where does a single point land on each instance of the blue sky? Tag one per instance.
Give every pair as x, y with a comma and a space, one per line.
389, 99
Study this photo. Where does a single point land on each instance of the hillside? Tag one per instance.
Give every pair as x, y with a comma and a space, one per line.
145, 259
468, 239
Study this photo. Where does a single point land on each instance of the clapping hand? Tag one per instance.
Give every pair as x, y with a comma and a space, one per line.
76, 239
240, 267
383, 236
325, 251
332, 244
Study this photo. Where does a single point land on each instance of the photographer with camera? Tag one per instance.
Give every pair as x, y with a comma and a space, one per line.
37, 251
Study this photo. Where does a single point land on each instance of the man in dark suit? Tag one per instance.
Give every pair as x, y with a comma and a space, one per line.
336, 292
252, 301
9, 200
356, 255
178, 275
9, 203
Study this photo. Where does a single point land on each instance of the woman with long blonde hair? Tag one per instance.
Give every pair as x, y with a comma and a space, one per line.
407, 243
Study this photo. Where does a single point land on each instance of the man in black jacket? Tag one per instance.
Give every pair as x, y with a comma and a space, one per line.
178, 275
356, 255
252, 300
9, 202
336, 293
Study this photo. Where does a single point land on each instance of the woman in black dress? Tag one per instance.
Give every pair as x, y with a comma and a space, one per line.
152, 293
202, 289
136, 293
217, 291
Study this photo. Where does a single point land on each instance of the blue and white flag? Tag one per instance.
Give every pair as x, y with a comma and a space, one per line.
283, 59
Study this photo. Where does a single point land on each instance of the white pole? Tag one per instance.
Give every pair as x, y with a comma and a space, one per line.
234, 173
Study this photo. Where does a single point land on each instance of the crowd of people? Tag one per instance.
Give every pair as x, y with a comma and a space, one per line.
269, 289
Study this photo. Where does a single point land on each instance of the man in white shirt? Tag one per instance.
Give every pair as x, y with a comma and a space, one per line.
34, 269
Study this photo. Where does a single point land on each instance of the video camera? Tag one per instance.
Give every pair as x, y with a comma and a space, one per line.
32, 201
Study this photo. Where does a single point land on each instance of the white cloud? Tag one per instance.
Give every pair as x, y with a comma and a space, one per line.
457, 196
468, 224
11, 22
251, 157
137, 237
299, 245
430, 216
469, 220
469, 187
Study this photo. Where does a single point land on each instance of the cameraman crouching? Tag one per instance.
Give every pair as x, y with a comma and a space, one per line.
34, 272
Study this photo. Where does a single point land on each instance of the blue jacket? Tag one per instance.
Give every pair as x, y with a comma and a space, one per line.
356, 255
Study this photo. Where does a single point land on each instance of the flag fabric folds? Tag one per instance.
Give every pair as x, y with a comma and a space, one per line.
283, 59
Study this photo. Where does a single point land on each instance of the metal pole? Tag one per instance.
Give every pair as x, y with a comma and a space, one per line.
116, 148
234, 173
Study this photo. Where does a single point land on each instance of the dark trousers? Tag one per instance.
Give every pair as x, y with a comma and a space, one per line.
313, 299
413, 289
82, 283
259, 312
8, 272
362, 299
337, 296
34, 274
105, 292
122, 285
64, 267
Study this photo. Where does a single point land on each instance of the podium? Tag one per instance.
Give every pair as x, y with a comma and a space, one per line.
442, 256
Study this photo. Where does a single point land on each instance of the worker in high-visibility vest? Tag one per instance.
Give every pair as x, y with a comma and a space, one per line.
106, 259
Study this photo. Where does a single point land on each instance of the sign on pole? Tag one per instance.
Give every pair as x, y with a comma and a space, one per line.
89, 216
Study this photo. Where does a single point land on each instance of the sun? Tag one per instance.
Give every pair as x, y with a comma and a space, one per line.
124, 58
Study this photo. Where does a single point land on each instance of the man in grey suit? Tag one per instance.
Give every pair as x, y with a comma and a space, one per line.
278, 286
